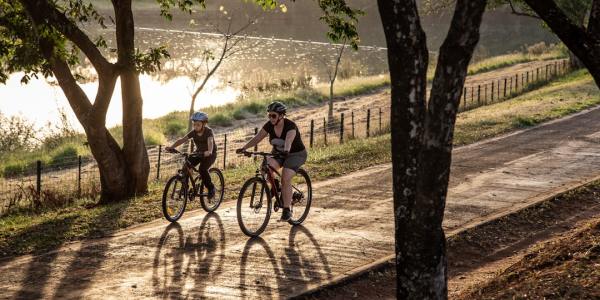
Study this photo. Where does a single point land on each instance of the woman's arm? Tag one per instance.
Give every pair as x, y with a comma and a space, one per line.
289, 138
256, 139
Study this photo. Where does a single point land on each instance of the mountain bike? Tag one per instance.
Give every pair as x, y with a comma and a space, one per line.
184, 187
255, 198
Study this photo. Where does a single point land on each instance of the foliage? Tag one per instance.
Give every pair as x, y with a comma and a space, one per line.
17, 134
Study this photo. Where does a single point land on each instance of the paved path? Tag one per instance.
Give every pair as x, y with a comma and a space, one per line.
350, 226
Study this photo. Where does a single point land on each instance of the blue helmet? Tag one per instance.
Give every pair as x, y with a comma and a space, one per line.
199, 116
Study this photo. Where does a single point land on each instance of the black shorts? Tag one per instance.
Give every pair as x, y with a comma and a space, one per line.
294, 160
205, 162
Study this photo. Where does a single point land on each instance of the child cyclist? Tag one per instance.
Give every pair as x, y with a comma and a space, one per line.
205, 153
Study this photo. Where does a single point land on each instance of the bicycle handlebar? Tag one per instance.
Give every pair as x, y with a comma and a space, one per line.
258, 153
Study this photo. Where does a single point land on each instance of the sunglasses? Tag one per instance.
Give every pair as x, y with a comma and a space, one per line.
273, 116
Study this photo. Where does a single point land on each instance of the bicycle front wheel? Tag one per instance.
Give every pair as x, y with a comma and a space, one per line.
211, 204
254, 207
174, 198
301, 197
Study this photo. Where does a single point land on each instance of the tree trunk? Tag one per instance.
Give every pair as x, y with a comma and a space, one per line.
422, 138
330, 112
134, 148
584, 43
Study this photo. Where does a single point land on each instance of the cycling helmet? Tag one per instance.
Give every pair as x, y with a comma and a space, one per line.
199, 116
277, 107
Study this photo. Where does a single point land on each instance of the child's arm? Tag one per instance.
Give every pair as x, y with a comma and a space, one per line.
211, 143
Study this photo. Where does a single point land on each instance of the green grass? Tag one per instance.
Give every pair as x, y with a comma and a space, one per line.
23, 232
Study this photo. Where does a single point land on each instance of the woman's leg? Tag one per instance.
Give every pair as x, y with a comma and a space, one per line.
286, 188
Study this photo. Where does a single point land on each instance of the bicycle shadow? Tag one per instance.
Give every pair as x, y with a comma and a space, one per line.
300, 264
189, 262
258, 281
304, 262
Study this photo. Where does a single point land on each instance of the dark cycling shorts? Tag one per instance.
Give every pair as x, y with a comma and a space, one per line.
294, 160
205, 162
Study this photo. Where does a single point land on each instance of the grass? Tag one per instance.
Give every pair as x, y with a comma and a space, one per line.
23, 232
535, 53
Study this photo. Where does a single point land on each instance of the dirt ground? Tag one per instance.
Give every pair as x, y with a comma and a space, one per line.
503, 259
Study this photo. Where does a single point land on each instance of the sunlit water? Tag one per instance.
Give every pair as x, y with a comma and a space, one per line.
39, 101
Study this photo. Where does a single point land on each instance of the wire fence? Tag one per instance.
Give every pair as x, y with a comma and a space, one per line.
63, 181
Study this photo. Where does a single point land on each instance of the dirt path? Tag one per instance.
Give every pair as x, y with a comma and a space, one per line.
349, 226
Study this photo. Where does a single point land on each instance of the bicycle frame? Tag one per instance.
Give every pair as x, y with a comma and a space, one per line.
269, 171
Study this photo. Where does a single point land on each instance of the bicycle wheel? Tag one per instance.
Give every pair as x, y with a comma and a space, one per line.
210, 205
301, 197
254, 207
174, 198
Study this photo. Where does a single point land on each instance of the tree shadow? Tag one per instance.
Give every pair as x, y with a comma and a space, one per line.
180, 259
39, 268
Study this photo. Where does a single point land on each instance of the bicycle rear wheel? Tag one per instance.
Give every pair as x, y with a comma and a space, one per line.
254, 207
301, 197
174, 198
210, 205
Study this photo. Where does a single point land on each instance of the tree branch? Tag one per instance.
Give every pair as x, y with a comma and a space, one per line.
594, 22
518, 13
43, 12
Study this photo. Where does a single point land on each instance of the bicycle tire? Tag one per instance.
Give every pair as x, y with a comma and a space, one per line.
218, 195
165, 196
254, 182
308, 198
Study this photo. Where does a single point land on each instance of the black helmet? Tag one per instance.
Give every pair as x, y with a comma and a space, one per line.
277, 107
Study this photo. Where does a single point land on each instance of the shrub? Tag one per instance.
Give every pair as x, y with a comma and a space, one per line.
175, 128
63, 154
153, 138
220, 119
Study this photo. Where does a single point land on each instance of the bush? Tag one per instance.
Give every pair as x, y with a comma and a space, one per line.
64, 154
154, 138
18, 168
537, 49
220, 119
175, 128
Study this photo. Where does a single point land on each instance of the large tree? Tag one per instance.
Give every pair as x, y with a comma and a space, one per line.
583, 41
422, 137
47, 37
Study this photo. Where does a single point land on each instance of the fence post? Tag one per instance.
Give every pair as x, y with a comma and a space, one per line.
465, 99
527, 77
225, 152
380, 120
505, 82
510, 87
312, 132
492, 93
546, 72
38, 181
478, 94
516, 83
555, 68
537, 74
485, 94
342, 129
352, 116
472, 94
158, 162
255, 146
368, 122
498, 96
79, 178
325, 130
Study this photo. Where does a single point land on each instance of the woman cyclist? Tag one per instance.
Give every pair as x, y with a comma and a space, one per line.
206, 149
286, 141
